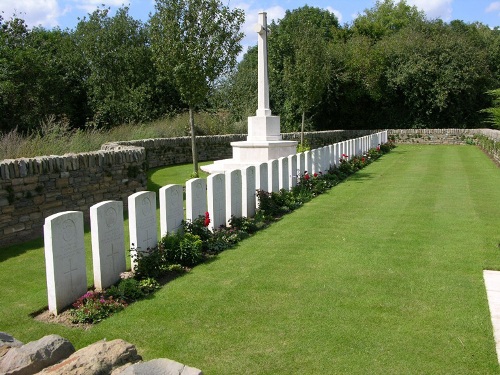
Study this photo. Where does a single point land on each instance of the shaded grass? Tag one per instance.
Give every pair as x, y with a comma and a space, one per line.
382, 275
177, 174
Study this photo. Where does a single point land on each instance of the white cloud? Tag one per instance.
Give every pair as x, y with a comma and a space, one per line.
34, 12
336, 12
434, 8
251, 18
493, 7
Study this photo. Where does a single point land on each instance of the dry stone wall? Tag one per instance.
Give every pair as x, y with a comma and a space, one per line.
169, 151
34, 188
433, 136
487, 139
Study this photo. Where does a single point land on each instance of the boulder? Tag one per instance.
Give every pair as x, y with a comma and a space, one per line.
101, 357
6, 342
36, 355
161, 366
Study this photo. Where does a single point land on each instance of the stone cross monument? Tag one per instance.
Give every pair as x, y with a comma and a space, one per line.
264, 140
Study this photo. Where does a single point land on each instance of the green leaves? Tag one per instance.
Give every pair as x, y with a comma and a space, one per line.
194, 43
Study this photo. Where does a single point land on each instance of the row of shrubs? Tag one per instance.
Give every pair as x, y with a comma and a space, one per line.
195, 243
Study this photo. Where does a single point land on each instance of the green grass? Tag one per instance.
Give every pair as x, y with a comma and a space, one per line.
382, 275
177, 174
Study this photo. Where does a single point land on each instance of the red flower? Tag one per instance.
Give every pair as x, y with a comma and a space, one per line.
207, 219
306, 177
315, 175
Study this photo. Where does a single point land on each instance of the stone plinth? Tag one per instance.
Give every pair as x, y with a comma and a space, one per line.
248, 153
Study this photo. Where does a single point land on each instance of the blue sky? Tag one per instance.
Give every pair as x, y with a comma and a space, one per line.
65, 13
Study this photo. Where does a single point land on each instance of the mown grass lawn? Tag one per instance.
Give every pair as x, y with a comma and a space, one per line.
382, 275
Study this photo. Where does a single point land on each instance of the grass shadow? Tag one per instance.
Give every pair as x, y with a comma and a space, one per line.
19, 249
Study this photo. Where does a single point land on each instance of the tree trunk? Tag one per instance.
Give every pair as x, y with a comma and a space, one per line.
302, 131
193, 142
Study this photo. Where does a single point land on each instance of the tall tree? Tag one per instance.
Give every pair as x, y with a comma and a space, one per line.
36, 77
195, 43
299, 63
385, 18
119, 75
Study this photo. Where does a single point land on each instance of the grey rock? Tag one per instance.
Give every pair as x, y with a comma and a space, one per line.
161, 366
36, 355
99, 358
8, 340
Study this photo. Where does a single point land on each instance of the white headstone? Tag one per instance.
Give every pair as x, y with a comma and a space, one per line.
196, 198
301, 163
283, 174
325, 159
108, 243
171, 209
336, 154
216, 197
64, 259
248, 192
331, 153
142, 223
308, 162
233, 194
293, 171
262, 176
273, 176
315, 160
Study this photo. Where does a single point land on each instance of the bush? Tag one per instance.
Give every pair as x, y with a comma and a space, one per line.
127, 289
150, 264
182, 248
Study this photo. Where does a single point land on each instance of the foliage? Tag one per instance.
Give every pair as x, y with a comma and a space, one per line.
37, 76
127, 289
119, 74
493, 113
299, 63
385, 18
95, 306
195, 43
181, 248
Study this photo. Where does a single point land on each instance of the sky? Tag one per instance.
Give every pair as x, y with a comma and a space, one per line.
66, 13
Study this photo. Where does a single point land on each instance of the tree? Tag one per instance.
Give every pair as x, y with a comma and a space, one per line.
386, 18
299, 63
36, 77
118, 71
437, 75
195, 43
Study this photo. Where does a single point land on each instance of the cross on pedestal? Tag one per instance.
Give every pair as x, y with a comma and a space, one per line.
263, 78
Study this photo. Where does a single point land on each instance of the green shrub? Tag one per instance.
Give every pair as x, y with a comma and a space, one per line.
149, 264
182, 248
127, 289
